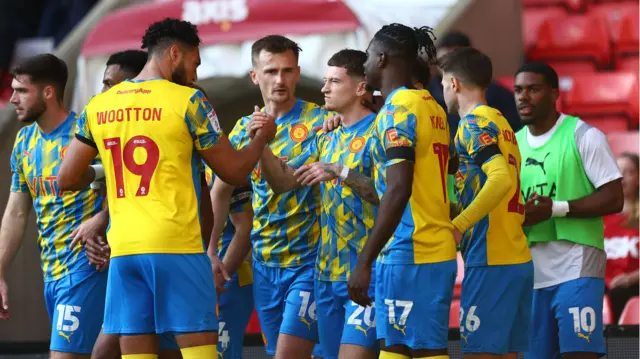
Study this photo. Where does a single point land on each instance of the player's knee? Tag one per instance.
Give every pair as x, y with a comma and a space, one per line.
62, 355
290, 346
107, 347
196, 339
348, 351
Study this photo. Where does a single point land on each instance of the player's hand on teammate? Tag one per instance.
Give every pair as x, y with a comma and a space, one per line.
262, 123
358, 284
330, 124
537, 209
4, 298
91, 234
220, 274
314, 173
457, 235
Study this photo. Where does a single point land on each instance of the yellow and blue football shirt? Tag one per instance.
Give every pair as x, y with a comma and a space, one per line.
35, 162
240, 202
285, 228
146, 132
496, 239
413, 119
346, 219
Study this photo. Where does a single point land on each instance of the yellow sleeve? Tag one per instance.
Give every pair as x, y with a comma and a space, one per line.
492, 193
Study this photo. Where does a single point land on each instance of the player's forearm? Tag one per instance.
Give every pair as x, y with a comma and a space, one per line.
362, 185
67, 183
392, 206
238, 251
608, 199
277, 173
491, 194
245, 160
221, 194
11, 234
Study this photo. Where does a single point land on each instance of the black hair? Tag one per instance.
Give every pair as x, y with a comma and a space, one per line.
454, 39
44, 69
131, 61
351, 60
162, 34
548, 73
275, 44
469, 65
422, 72
403, 41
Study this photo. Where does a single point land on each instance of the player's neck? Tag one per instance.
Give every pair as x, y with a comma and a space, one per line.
52, 118
470, 101
395, 81
152, 70
278, 110
541, 127
354, 114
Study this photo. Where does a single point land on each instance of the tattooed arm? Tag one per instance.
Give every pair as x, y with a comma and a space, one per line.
277, 173
362, 185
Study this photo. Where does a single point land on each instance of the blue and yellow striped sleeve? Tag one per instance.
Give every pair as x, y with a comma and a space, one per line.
18, 181
238, 136
397, 133
311, 154
202, 122
479, 133
240, 199
83, 131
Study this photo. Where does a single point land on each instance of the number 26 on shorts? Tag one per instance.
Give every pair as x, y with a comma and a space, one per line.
471, 322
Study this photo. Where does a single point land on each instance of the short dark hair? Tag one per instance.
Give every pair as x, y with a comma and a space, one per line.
162, 34
131, 61
275, 44
408, 43
352, 60
44, 69
469, 65
548, 73
422, 72
454, 39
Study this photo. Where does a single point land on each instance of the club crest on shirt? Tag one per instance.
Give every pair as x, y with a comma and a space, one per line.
299, 132
356, 144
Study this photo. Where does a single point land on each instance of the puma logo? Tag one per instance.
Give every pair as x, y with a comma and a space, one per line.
464, 337
305, 321
533, 162
400, 329
64, 335
360, 328
585, 337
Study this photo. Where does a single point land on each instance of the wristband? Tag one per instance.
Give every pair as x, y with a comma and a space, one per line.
559, 209
99, 172
344, 172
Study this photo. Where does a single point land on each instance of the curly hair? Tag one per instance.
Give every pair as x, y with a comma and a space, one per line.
162, 34
403, 41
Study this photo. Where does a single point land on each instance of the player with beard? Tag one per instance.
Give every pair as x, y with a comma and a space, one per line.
151, 132
570, 180
342, 163
495, 304
285, 227
412, 233
74, 291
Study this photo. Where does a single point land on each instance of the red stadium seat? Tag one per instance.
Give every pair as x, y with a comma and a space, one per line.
604, 95
626, 141
577, 38
622, 24
532, 18
608, 124
630, 314
571, 68
571, 5
506, 82
454, 314
254, 325
628, 63
607, 316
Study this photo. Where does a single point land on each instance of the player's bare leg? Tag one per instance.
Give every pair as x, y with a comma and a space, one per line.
487, 356
63, 355
170, 354
348, 351
139, 344
198, 345
107, 347
580, 356
290, 346
510, 356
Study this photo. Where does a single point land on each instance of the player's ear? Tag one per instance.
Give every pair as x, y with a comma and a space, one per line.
254, 76
361, 90
382, 59
48, 92
456, 84
297, 74
175, 54
555, 94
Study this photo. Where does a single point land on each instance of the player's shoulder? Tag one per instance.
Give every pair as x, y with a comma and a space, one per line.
311, 113
26, 132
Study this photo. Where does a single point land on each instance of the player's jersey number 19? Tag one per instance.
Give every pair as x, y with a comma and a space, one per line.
125, 155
